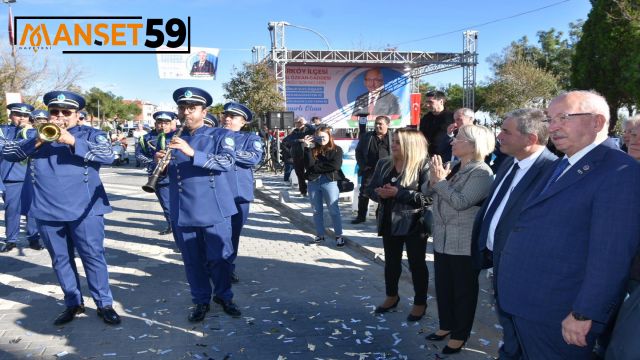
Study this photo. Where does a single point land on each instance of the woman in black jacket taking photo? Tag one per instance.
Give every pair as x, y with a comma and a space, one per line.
398, 186
322, 162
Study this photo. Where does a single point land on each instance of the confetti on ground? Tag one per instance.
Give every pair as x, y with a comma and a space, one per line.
484, 342
311, 347
61, 354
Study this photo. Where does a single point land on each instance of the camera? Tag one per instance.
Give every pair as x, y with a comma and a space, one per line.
317, 140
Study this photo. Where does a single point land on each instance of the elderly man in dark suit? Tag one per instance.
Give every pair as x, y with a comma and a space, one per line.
202, 66
524, 138
564, 267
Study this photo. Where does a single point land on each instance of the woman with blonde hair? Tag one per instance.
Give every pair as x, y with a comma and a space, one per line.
396, 186
322, 162
458, 192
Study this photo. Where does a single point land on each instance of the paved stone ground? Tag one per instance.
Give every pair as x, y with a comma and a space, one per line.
299, 301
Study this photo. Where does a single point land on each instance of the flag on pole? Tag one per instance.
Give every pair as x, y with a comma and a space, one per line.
13, 48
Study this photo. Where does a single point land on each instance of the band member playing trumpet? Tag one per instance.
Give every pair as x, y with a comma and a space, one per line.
202, 202
16, 197
69, 200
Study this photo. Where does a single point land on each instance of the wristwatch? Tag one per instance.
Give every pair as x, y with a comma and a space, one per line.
579, 317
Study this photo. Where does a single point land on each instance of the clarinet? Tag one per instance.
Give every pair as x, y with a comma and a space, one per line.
151, 184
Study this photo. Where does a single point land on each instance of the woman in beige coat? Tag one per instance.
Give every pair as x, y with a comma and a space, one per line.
458, 192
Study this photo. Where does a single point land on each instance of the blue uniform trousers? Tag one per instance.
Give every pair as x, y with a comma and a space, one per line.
87, 236
12, 211
162, 192
237, 222
202, 250
542, 341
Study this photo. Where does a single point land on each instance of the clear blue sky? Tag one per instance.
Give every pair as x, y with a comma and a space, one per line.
235, 26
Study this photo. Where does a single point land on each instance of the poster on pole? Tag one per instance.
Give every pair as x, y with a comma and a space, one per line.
200, 64
340, 95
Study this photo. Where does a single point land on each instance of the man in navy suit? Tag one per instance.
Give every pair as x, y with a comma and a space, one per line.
524, 138
564, 267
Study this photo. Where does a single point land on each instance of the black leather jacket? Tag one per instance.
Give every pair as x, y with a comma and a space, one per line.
408, 203
328, 164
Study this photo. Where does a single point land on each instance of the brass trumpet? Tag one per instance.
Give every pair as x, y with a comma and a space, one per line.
48, 132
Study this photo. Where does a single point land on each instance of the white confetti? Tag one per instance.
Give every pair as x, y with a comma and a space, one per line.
61, 354
484, 342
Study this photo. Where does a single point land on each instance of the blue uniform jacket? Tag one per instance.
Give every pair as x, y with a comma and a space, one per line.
200, 195
572, 245
65, 180
240, 177
13, 171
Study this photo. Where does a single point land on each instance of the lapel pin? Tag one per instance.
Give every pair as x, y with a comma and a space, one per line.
586, 168
579, 171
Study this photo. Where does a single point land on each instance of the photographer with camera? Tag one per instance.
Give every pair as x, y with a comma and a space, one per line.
322, 162
295, 142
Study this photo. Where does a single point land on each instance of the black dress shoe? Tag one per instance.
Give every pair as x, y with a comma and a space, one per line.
449, 350
436, 337
358, 220
109, 315
7, 246
228, 306
35, 245
199, 312
234, 278
412, 317
68, 314
382, 310
166, 231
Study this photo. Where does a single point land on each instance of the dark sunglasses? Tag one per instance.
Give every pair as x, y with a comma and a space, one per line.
64, 112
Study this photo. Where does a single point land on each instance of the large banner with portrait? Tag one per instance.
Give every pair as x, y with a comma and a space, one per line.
340, 95
200, 64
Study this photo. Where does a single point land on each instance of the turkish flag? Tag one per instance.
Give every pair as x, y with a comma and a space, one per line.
415, 109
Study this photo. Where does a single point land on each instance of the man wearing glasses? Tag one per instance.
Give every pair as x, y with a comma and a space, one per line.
202, 202
566, 260
16, 197
69, 202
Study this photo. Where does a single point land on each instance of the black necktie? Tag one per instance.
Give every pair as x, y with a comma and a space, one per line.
497, 200
562, 165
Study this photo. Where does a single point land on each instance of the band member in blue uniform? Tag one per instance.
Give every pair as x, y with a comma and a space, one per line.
146, 148
16, 196
202, 202
248, 154
39, 117
69, 202
211, 120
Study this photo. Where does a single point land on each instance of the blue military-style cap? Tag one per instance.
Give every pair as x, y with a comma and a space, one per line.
64, 99
238, 109
20, 108
164, 115
40, 114
211, 120
192, 95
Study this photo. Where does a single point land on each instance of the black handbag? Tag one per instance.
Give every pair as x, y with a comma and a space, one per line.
427, 220
344, 184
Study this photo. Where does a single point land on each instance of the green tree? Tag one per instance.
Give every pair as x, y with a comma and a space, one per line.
553, 52
607, 56
255, 86
105, 105
519, 83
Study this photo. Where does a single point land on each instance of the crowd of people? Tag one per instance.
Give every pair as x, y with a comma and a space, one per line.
551, 204
558, 225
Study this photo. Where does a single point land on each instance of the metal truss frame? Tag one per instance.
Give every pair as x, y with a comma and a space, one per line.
416, 64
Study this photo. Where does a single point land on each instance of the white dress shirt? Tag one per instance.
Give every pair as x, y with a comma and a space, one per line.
524, 164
